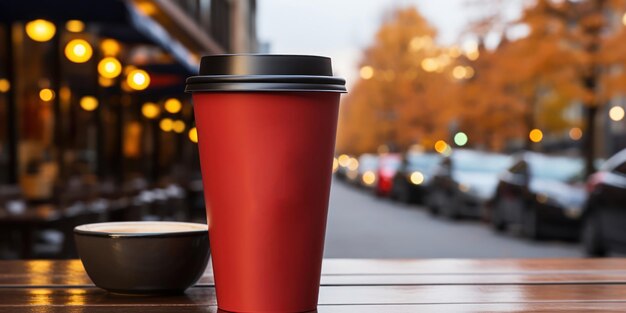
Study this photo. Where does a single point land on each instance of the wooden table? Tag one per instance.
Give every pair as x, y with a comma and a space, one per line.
354, 285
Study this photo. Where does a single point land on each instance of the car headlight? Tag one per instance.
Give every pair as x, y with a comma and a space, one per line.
368, 177
416, 178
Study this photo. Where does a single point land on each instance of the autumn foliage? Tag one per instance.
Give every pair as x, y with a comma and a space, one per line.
556, 76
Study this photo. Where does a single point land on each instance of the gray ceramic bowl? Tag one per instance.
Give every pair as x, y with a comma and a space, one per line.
143, 257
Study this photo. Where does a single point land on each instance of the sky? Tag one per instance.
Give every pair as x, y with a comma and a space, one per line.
341, 29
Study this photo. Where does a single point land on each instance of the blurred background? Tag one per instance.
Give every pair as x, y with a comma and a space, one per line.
472, 128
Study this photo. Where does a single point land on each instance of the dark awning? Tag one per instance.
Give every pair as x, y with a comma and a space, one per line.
118, 19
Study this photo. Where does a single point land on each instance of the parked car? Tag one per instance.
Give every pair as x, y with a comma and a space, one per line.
366, 172
410, 184
464, 182
543, 194
604, 219
388, 164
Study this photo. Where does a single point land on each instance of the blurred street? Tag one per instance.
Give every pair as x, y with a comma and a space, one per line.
361, 225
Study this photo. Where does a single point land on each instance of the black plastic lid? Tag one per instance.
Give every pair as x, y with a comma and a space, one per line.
265, 72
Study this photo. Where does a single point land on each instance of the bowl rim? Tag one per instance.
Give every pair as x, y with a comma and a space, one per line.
83, 231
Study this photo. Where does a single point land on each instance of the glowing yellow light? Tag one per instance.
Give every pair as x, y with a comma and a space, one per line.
89, 103
624, 19
575, 133
138, 79
150, 110
459, 72
193, 135
166, 124
146, 8
469, 72
179, 126
353, 165
473, 55
173, 105
368, 177
535, 135
40, 30
616, 113
335, 164
105, 82
5, 85
430, 64
75, 26
416, 178
46, 94
441, 146
343, 160
420, 42
110, 47
78, 51
109, 67
366, 72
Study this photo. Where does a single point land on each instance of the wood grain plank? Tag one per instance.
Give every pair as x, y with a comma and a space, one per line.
383, 266
573, 307
335, 295
380, 272
604, 277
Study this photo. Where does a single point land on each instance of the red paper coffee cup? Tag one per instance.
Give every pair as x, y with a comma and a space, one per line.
266, 134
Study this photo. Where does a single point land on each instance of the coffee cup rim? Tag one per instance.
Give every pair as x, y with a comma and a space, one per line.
98, 229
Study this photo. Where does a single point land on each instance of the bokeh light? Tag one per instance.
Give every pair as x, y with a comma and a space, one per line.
46, 94
353, 165
138, 79
575, 133
343, 160
166, 124
460, 139
430, 65
40, 30
173, 105
335, 165
150, 110
416, 178
441, 146
75, 26
469, 72
366, 72
368, 177
473, 55
179, 126
109, 67
535, 135
616, 113
78, 51
193, 135
110, 47
89, 103
5, 85
459, 72
105, 82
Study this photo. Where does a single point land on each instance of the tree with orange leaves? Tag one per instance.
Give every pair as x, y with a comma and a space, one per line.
405, 95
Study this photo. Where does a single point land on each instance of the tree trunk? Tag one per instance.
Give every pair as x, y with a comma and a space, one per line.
589, 147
